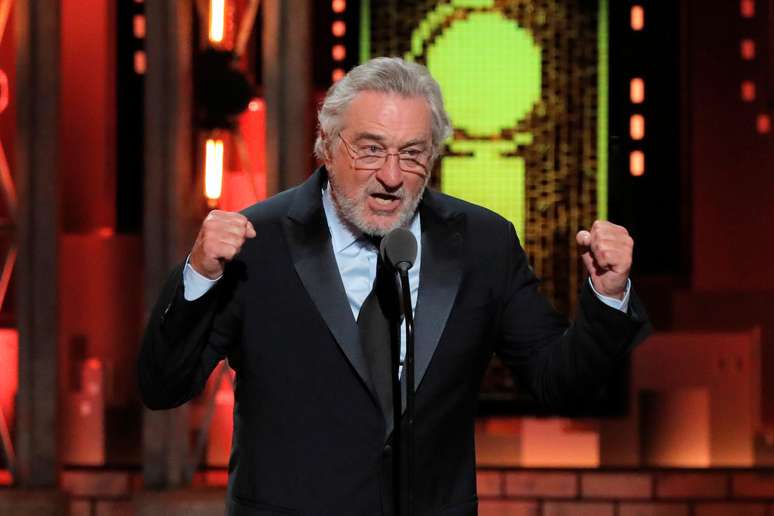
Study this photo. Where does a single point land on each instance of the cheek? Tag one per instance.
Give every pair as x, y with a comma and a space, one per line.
414, 184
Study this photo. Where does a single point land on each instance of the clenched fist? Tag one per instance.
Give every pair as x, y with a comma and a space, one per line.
219, 240
606, 251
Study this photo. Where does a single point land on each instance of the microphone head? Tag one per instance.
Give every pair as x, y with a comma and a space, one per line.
399, 249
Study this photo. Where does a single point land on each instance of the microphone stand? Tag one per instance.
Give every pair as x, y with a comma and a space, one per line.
408, 368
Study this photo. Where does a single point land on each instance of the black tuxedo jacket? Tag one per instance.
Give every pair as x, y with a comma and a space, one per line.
309, 436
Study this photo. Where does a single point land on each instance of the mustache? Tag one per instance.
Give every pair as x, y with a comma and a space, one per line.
400, 193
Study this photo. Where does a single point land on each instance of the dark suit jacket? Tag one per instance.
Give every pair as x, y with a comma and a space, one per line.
309, 436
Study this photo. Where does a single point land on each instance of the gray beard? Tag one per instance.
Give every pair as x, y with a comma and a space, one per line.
352, 211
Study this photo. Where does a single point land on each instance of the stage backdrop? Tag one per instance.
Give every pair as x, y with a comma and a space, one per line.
525, 84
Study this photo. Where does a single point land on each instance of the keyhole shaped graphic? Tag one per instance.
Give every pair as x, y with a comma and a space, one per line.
489, 70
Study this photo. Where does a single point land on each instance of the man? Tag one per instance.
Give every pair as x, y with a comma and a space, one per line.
278, 290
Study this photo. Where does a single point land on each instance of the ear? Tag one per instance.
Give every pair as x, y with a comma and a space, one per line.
327, 154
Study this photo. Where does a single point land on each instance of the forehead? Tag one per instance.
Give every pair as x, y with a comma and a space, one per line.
389, 115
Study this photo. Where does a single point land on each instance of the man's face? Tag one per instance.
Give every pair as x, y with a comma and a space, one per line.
378, 201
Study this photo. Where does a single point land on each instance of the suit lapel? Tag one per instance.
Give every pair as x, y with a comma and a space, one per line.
309, 242
439, 281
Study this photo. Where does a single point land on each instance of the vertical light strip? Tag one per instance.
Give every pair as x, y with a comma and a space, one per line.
213, 168
602, 108
637, 90
365, 31
217, 20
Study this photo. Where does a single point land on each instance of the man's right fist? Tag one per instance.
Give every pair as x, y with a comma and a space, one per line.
219, 240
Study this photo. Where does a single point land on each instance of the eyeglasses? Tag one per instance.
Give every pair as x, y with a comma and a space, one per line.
374, 157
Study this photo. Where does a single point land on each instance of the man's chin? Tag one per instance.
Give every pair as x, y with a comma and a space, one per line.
379, 225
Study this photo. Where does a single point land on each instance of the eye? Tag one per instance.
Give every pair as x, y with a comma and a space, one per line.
371, 149
411, 153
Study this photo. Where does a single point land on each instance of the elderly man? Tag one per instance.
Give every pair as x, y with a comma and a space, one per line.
279, 289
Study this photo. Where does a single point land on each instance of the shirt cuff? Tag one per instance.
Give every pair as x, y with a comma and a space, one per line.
194, 284
618, 304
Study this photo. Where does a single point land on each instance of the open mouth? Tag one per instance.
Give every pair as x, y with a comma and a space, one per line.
384, 199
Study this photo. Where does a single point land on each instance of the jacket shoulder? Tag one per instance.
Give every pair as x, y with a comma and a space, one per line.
272, 209
474, 213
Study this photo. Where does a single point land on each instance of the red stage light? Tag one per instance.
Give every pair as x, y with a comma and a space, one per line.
138, 26
337, 74
339, 52
747, 8
763, 123
637, 163
637, 127
338, 28
338, 6
4, 91
748, 91
747, 49
140, 63
637, 90
637, 17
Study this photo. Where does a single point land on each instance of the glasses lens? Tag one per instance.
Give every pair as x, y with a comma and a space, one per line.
410, 165
370, 161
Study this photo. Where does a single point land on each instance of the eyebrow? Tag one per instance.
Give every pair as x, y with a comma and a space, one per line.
381, 139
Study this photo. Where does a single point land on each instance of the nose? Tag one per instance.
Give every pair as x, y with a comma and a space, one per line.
390, 175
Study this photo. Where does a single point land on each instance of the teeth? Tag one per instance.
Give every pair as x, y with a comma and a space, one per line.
382, 200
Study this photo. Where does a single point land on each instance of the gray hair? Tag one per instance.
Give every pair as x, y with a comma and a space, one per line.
387, 75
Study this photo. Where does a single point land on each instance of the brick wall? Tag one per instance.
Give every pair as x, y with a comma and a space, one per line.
502, 492
631, 492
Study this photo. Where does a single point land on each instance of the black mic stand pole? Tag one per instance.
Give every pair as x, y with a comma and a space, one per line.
408, 367
397, 433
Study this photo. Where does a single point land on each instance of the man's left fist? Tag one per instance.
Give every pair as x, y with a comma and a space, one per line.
606, 251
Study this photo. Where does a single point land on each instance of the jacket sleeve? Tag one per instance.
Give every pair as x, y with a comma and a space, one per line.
185, 340
564, 365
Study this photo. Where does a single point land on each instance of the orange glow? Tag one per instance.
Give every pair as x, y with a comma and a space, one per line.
245, 182
138, 26
140, 63
213, 168
637, 127
337, 74
217, 20
748, 91
637, 90
338, 28
339, 52
747, 49
4, 91
9, 385
763, 123
637, 17
255, 105
105, 232
338, 6
637, 163
747, 8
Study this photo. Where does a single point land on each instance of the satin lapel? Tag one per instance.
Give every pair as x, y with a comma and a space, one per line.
310, 248
439, 281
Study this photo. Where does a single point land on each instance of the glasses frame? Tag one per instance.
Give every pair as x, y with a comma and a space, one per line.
354, 157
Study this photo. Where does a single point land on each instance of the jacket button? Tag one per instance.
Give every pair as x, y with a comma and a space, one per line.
387, 450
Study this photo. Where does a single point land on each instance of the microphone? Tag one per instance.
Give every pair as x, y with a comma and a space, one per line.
399, 249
